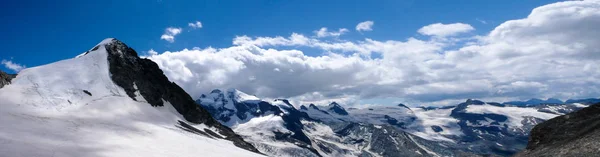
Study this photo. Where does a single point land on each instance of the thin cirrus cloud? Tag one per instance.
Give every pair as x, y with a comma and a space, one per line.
365, 26
323, 32
550, 53
12, 66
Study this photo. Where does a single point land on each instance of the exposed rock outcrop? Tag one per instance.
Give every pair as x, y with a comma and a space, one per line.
574, 134
133, 74
5, 78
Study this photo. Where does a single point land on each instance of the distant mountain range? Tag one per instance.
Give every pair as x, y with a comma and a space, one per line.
474, 127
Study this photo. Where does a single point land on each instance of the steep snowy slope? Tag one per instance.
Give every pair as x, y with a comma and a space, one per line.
434, 124
274, 127
100, 104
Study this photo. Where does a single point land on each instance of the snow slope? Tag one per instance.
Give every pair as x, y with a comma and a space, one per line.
72, 108
273, 127
515, 114
427, 119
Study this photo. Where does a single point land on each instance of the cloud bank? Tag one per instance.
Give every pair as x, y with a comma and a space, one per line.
553, 52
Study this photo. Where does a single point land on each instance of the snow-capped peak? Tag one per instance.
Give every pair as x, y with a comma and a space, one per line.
118, 95
95, 48
240, 96
231, 94
106, 41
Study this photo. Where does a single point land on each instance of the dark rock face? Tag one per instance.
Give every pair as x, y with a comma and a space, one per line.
313, 106
303, 107
138, 74
336, 108
402, 105
437, 128
6, 78
574, 134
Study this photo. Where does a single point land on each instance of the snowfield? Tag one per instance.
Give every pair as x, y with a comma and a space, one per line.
436, 117
515, 114
72, 108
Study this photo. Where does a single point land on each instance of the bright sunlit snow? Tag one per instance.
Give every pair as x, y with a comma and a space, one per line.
45, 112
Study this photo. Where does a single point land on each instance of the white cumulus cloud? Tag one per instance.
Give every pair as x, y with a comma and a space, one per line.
443, 30
195, 25
12, 66
170, 34
365, 26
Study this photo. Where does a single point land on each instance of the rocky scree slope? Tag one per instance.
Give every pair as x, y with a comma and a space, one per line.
574, 134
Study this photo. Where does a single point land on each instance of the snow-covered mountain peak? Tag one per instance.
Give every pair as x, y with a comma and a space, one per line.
102, 45
240, 96
118, 95
231, 94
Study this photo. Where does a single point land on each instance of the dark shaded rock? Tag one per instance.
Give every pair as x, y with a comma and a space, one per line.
496, 104
394, 122
574, 134
87, 92
303, 107
6, 78
313, 106
437, 128
139, 74
336, 108
402, 105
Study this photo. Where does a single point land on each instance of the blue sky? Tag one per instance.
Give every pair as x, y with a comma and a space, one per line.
41, 32
416, 52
